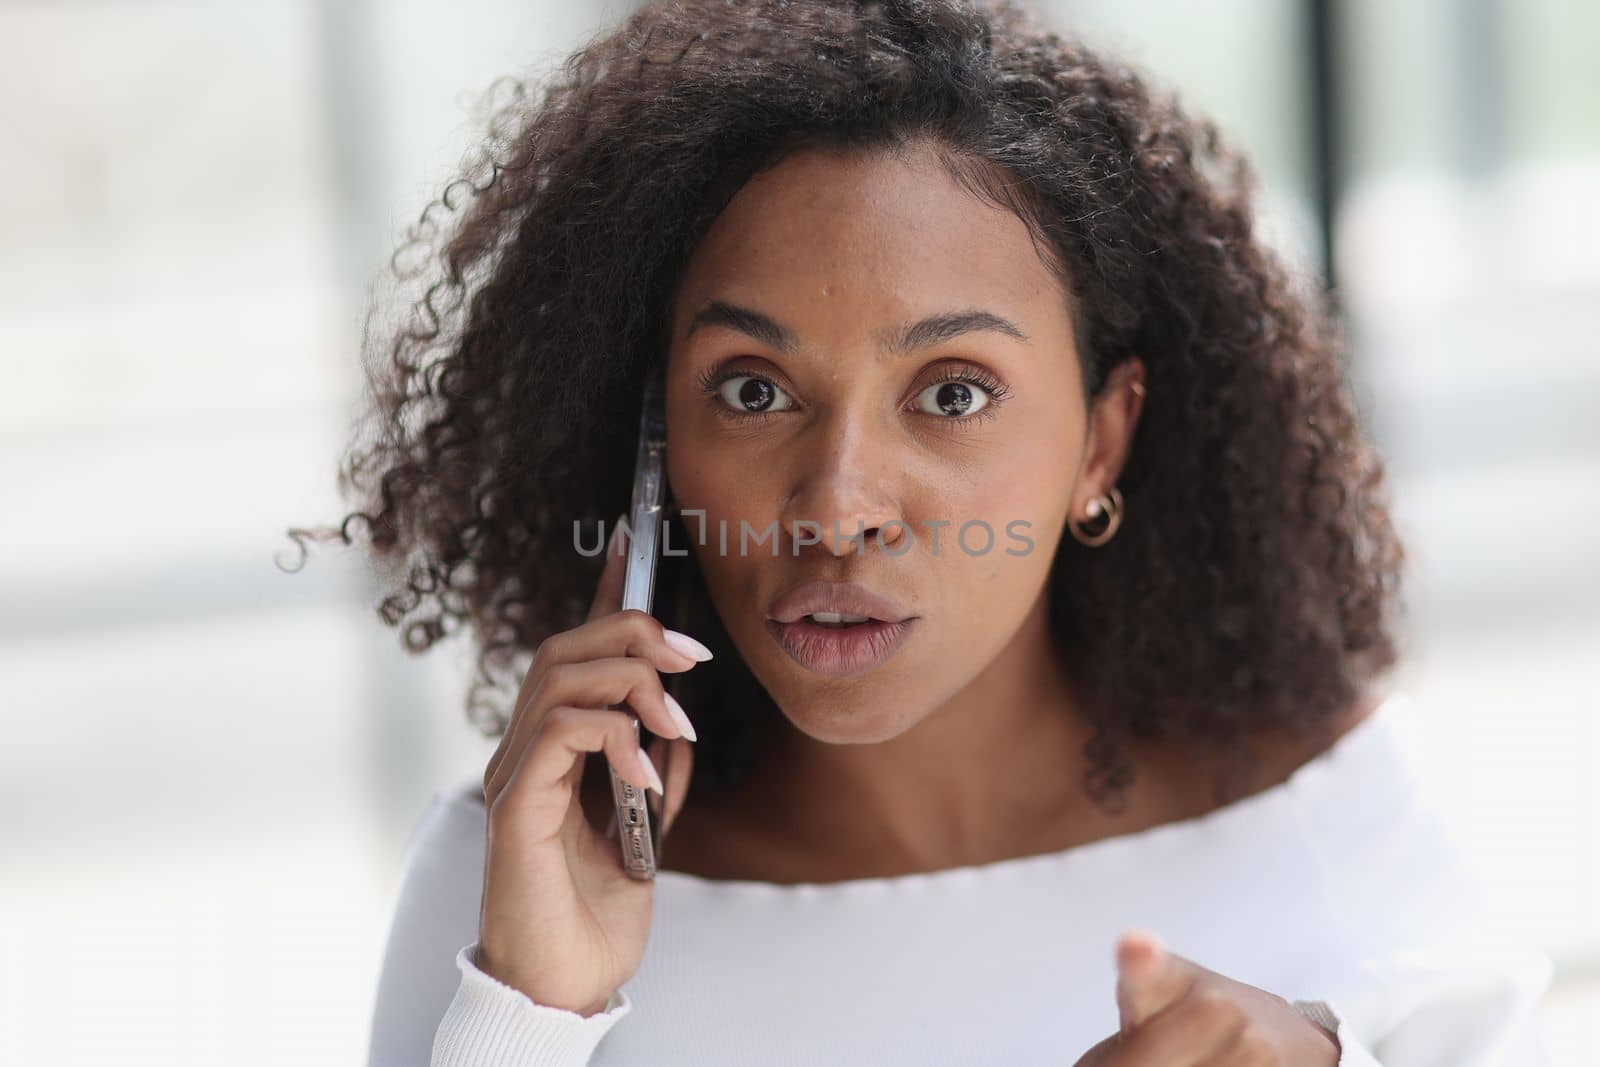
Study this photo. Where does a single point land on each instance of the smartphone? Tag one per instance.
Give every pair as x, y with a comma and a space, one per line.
640, 811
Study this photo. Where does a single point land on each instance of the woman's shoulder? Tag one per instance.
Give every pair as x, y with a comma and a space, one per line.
1353, 808
450, 829
435, 915
444, 859
461, 799
1395, 861
1403, 887
443, 866
1351, 787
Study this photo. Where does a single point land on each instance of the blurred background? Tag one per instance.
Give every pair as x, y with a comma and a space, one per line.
211, 768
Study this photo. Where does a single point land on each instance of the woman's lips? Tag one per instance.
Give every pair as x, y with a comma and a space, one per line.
840, 650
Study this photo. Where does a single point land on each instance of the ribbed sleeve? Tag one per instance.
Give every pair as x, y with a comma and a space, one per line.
1352, 1052
1477, 1032
490, 1024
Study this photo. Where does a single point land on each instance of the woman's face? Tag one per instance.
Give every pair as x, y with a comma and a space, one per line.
795, 397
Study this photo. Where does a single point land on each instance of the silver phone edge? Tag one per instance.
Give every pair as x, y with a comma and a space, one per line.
637, 836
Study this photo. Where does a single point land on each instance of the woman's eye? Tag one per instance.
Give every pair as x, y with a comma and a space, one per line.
749, 395
952, 399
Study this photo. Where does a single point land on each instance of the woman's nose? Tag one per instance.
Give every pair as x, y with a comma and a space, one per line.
844, 496
844, 530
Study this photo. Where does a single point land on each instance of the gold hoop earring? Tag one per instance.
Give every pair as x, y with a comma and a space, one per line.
1111, 505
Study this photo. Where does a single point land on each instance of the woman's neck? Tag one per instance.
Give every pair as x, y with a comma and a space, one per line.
752, 832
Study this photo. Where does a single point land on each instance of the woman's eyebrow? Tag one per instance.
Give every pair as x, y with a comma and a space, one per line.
933, 330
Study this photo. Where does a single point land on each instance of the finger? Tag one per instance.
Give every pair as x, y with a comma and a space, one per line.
621, 634
1148, 977
616, 680
593, 683
608, 594
1193, 1030
624, 633
539, 790
1101, 1054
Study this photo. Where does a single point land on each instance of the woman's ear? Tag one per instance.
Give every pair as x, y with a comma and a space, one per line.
1112, 422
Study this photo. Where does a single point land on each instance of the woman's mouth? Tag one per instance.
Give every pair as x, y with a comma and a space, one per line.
838, 644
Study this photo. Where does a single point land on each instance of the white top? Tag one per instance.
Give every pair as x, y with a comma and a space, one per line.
1339, 885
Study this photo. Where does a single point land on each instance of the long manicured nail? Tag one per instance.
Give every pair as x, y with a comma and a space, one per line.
687, 645
680, 717
650, 772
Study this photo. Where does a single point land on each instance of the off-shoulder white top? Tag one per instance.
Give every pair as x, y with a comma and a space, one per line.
1341, 884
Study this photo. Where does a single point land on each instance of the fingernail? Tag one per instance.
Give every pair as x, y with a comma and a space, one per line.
1137, 946
681, 717
650, 772
687, 645
616, 535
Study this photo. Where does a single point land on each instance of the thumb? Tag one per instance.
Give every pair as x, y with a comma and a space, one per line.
1148, 977
608, 594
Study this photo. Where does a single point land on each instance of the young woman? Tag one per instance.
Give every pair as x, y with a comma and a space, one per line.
1089, 764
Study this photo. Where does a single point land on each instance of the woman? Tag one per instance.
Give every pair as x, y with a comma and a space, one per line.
1112, 783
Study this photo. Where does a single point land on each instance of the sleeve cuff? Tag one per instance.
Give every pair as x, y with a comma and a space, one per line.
490, 1024
1352, 1052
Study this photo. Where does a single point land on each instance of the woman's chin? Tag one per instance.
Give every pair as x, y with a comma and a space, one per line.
836, 720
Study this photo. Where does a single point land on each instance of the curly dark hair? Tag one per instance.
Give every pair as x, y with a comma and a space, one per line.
1252, 585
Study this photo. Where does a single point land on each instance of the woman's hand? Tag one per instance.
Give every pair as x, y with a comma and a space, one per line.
1176, 1013
561, 919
